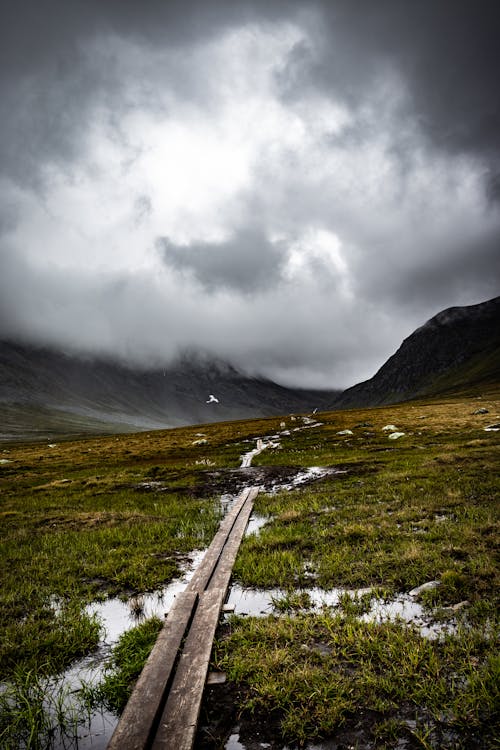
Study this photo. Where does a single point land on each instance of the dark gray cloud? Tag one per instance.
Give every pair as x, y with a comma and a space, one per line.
323, 176
247, 262
446, 51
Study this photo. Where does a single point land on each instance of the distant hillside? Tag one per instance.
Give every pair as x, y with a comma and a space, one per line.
44, 392
455, 350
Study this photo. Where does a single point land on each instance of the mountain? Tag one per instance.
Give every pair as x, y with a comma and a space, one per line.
44, 392
458, 348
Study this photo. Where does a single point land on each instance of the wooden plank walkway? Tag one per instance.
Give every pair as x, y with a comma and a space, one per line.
163, 710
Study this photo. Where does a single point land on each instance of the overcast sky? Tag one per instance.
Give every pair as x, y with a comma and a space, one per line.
292, 186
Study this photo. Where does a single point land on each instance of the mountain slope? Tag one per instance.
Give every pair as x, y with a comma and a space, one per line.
44, 392
456, 349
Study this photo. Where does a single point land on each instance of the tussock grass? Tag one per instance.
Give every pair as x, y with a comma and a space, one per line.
127, 660
318, 671
115, 515
39, 713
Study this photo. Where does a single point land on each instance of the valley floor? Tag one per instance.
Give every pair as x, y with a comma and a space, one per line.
372, 557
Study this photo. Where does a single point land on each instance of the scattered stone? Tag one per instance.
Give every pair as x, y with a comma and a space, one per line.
202, 441
322, 649
345, 432
493, 427
282, 425
396, 435
5, 461
151, 485
216, 678
481, 411
389, 428
52, 445
425, 587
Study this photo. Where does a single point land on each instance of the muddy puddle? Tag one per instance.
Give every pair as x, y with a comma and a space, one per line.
271, 479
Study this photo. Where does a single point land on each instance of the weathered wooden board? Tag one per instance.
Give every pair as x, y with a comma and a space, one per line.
163, 710
143, 710
222, 573
177, 727
205, 570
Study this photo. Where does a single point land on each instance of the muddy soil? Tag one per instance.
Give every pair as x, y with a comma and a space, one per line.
233, 481
221, 726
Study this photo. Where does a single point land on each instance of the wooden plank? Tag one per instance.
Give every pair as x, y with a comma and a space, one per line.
207, 566
222, 573
164, 708
145, 705
177, 727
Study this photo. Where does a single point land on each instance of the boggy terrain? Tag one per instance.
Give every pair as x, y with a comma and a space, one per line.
406, 515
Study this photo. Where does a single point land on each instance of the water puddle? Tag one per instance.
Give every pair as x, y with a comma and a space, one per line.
305, 477
255, 524
262, 444
235, 742
117, 616
403, 607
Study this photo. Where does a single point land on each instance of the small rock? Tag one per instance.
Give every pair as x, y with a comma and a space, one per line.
345, 432
216, 678
389, 428
425, 587
396, 435
203, 441
481, 411
5, 461
493, 427
52, 445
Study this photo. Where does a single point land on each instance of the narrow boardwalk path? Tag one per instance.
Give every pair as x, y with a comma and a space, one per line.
163, 710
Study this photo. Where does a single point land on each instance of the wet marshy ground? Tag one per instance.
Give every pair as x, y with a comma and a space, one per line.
368, 511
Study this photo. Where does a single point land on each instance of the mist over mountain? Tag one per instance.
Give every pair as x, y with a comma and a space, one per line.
292, 186
46, 392
457, 348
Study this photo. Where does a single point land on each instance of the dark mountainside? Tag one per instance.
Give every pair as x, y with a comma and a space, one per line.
45, 393
455, 350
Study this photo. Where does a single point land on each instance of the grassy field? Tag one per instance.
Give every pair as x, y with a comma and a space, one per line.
96, 517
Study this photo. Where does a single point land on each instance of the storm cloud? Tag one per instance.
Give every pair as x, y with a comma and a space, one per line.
292, 186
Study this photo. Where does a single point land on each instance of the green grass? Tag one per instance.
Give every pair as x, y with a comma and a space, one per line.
318, 671
424, 507
38, 713
78, 524
125, 665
